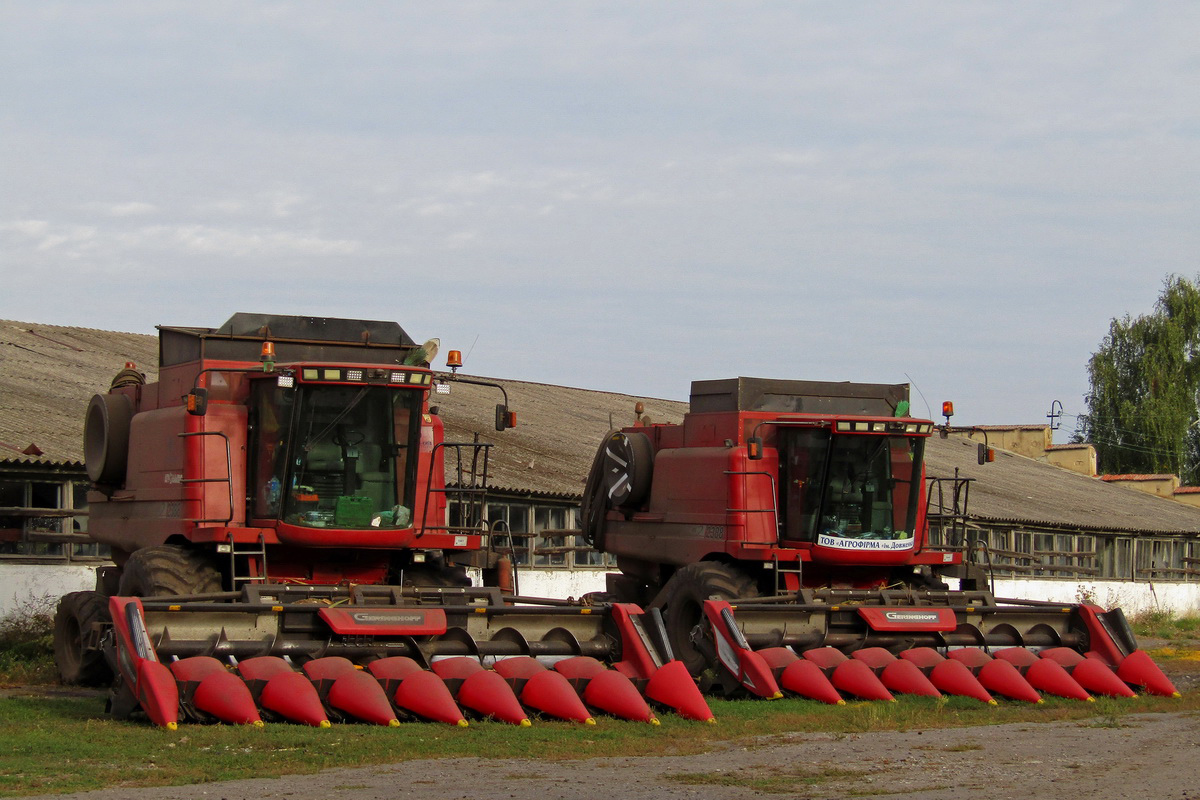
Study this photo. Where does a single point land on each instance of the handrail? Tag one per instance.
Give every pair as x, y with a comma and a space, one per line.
476, 490
227, 480
773, 510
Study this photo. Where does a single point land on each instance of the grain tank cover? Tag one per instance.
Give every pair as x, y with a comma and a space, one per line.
322, 329
806, 397
295, 338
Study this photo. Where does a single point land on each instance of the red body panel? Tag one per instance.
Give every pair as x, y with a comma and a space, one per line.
710, 500
187, 477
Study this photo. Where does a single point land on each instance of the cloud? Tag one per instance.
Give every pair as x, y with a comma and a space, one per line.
129, 209
962, 192
82, 241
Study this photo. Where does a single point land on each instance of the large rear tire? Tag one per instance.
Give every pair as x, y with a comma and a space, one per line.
168, 570
106, 438
620, 477
683, 604
73, 621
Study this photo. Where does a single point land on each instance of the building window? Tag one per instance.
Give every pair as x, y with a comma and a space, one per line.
45, 519
550, 545
542, 536
1013, 553
509, 523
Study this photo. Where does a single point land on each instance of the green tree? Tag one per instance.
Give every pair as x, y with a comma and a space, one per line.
1145, 388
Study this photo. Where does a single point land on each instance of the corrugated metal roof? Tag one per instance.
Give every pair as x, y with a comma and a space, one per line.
1021, 491
557, 434
1033, 427
1136, 477
48, 375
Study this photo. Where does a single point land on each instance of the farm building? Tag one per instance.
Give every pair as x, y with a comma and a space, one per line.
1046, 532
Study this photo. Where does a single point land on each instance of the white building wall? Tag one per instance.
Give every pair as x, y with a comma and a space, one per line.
1132, 598
560, 582
21, 584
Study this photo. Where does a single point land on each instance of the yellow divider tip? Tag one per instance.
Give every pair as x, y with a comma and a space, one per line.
1040, 701
893, 700
258, 723
525, 723
462, 723
992, 703
393, 723
589, 721
325, 724
172, 726
711, 720
776, 696
1091, 699
841, 702
654, 721
1176, 695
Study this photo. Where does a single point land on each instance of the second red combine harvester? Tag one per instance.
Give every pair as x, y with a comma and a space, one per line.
783, 531
286, 546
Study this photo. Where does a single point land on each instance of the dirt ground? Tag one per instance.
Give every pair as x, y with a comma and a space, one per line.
1147, 756
1142, 757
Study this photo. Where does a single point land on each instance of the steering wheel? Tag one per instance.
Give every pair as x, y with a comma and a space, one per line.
349, 437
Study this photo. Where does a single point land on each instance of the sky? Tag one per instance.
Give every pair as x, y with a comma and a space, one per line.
624, 196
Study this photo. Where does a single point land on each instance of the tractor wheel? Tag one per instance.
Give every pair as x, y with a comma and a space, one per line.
628, 468
595, 500
106, 438
76, 663
620, 477
168, 570
683, 604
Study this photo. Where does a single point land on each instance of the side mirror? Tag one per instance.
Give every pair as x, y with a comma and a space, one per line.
197, 402
754, 448
505, 419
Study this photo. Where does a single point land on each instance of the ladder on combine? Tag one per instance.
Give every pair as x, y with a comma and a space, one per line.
247, 561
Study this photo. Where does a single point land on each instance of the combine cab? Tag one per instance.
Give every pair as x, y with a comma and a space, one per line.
782, 530
287, 547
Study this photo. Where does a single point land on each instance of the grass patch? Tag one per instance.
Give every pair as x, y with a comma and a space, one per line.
772, 780
66, 744
964, 747
27, 643
1165, 624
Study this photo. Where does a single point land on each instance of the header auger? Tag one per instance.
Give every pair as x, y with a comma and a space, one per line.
782, 529
379, 655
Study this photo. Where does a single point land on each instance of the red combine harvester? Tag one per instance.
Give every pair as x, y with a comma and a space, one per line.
287, 547
783, 531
